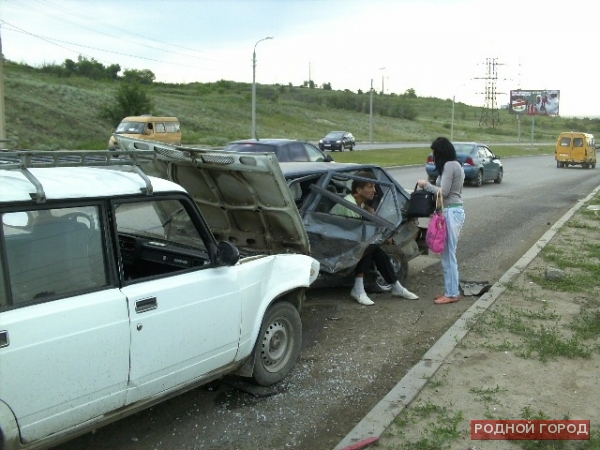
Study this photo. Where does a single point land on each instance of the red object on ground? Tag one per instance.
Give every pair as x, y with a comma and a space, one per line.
362, 444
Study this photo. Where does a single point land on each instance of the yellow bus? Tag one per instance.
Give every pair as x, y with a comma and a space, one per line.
575, 149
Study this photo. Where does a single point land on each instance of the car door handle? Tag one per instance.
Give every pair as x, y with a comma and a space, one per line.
4, 341
147, 304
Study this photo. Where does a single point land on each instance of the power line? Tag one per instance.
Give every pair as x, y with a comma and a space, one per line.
129, 32
124, 30
54, 42
51, 14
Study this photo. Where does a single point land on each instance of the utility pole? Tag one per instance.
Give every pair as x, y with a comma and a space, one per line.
371, 114
452, 121
2, 116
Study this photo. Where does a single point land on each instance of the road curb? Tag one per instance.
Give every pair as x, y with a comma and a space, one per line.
381, 416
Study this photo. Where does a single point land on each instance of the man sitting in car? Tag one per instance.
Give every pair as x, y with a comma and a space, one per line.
362, 193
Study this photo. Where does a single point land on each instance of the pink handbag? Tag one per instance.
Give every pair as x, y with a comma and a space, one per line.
437, 231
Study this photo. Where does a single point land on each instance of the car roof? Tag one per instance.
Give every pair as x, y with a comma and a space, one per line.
76, 182
306, 168
465, 143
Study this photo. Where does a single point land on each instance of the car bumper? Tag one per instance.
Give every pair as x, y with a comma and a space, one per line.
470, 172
330, 146
431, 172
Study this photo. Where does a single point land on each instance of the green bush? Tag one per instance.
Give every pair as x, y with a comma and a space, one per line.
131, 100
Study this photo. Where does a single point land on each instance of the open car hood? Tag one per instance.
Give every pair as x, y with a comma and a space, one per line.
243, 197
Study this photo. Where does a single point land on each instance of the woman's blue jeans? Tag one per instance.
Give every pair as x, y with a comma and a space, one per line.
455, 218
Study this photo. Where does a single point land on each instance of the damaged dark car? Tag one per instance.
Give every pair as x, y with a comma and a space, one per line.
339, 242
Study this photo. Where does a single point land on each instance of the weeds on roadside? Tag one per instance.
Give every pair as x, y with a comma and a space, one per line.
441, 430
487, 394
437, 381
542, 341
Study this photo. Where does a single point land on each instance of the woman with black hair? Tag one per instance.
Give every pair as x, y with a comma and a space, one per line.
451, 177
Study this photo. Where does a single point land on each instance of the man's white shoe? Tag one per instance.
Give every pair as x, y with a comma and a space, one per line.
405, 293
362, 298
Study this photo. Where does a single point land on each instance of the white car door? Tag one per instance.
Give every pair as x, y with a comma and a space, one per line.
185, 313
182, 327
64, 331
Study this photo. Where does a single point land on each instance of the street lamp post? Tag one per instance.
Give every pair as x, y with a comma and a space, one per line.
254, 86
371, 113
452, 122
382, 76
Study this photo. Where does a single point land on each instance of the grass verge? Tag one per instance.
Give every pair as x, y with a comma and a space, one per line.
552, 324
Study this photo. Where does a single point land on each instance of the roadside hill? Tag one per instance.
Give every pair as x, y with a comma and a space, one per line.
44, 111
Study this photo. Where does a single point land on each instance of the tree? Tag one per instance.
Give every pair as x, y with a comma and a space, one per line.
327, 86
70, 67
139, 76
410, 93
130, 100
112, 71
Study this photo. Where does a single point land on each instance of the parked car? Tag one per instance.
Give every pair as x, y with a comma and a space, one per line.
478, 161
337, 140
115, 295
284, 149
296, 200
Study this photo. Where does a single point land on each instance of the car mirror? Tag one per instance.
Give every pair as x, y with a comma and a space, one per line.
227, 254
328, 158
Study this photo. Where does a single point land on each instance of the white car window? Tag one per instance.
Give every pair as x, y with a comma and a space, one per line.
59, 252
157, 237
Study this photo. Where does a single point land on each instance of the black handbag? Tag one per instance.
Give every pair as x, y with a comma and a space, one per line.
421, 203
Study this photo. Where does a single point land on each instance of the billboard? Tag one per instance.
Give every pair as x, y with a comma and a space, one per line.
542, 102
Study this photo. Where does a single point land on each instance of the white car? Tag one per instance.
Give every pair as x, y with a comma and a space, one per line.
115, 294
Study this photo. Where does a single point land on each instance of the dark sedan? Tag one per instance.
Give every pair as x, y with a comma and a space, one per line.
337, 140
286, 150
479, 163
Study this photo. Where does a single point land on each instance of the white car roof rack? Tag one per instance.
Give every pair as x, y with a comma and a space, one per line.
26, 159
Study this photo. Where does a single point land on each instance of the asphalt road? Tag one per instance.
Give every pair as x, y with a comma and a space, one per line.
353, 355
386, 145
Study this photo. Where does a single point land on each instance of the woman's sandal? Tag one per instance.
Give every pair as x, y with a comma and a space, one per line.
442, 300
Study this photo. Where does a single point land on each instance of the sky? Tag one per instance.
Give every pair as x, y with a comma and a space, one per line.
440, 48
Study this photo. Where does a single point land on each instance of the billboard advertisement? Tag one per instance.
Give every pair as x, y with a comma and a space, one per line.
542, 102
